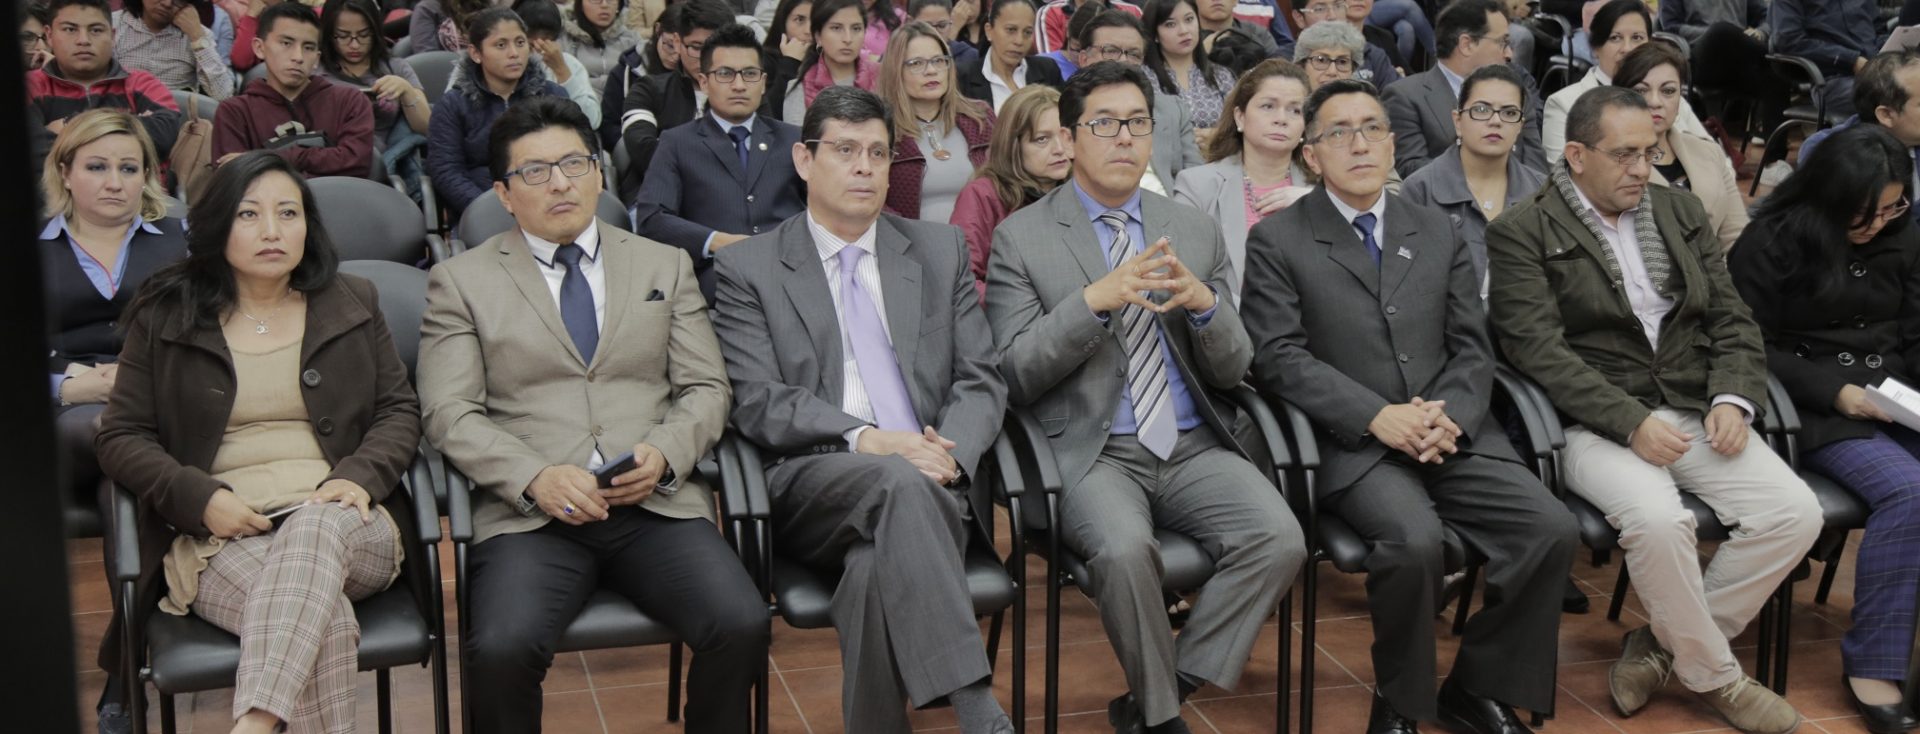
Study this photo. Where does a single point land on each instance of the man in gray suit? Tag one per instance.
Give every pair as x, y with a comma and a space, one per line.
1119, 347
1470, 34
726, 175
862, 365
1365, 312
1116, 36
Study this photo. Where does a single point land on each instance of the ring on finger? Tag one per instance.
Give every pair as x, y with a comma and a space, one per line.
567, 508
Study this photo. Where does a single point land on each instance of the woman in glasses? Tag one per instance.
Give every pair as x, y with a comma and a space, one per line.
1660, 73
1479, 177
1329, 51
353, 52
940, 137
1831, 270
1252, 172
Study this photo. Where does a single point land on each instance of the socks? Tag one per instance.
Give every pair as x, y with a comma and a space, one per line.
1188, 684
978, 711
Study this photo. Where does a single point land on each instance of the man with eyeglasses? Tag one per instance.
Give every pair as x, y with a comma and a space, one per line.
1118, 37
1888, 95
670, 99
1470, 34
1112, 309
553, 351
1375, 64
1365, 312
1613, 294
83, 75
862, 369
726, 176
322, 128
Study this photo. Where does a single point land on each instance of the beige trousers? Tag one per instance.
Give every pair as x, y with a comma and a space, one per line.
1774, 517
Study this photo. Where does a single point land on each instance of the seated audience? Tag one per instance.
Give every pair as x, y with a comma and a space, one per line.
1728, 42
1613, 295
83, 75
672, 98
1838, 36
211, 446
1372, 63
1006, 65
784, 49
353, 53
1887, 95
322, 128
1253, 172
882, 20
1051, 31
944, 136
1659, 73
165, 38
1212, 17
1622, 26
1176, 65
838, 28
1481, 174
939, 15
246, 28
1029, 155
34, 22
728, 175
441, 25
1830, 274
496, 74
1328, 52
544, 30
1413, 34
596, 35
1473, 35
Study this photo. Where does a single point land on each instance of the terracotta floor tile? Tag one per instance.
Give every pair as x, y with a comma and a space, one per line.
1845, 725
574, 713
635, 709
630, 666
1350, 642
84, 549
1341, 710
798, 649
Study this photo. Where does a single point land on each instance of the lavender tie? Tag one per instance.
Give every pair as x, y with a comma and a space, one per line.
866, 335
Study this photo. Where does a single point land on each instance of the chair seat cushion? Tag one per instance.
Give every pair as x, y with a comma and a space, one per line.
1184, 563
190, 654
608, 621
1841, 508
804, 595
1343, 546
1597, 534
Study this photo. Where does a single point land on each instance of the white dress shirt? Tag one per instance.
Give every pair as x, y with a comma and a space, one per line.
1378, 210
555, 274
1004, 88
853, 391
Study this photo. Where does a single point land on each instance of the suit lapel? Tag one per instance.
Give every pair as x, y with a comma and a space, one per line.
900, 288
1440, 102
760, 150
618, 265
1081, 239
1343, 243
806, 285
1397, 248
722, 146
1233, 212
517, 260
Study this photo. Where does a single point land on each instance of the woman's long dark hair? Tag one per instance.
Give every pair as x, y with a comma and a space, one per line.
1157, 12
202, 284
779, 27
1808, 217
330, 21
594, 31
823, 11
881, 11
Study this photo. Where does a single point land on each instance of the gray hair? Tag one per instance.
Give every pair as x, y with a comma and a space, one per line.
1337, 35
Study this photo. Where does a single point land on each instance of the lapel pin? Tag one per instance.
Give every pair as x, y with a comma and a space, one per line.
1406, 253
763, 146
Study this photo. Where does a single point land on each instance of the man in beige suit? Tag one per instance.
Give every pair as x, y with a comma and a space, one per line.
546, 353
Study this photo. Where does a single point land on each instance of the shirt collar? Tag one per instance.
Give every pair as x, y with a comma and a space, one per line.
1453, 80
1602, 218
1378, 210
1095, 208
543, 250
829, 245
726, 126
58, 226
1019, 72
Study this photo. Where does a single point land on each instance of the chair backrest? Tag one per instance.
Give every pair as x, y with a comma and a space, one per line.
486, 217
403, 299
368, 220
402, 48
259, 71
176, 209
434, 69
201, 105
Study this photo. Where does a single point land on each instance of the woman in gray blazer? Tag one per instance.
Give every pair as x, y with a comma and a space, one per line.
1252, 171
1479, 177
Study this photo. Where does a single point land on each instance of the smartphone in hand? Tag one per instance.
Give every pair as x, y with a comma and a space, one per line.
619, 465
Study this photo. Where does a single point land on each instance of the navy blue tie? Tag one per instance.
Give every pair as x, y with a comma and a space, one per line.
576, 302
739, 134
1364, 225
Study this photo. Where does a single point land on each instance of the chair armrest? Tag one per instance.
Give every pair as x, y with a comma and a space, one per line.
1306, 446
753, 479
437, 249
1784, 415
459, 503
733, 478
1006, 464
426, 509
1029, 441
1257, 410
1506, 380
123, 531
1798, 70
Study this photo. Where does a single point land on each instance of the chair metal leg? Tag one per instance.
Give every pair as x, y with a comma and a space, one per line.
1017, 569
993, 637
1308, 653
1832, 569
1053, 635
762, 696
673, 681
1466, 600
1284, 665
1763, 656
441, 705
1619, 594
167, 723
383, 698
1783, 642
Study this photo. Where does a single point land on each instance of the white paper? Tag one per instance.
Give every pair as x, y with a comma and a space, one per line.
1899, 401
1903, 38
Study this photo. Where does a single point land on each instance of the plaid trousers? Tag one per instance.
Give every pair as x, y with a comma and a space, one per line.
1883, 470
289, 596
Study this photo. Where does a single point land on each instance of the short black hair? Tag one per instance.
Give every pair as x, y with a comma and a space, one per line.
914, 8
1462, 18
481, 25
1878, 84
851, 105
704, 14
1610, 14
1494, 73
1082, 17
529, 116
35, 11
54, 8
1583, 121
1073, 95
541, 17
1333, 89
731, 35
296, 12
994, 6
1108, 19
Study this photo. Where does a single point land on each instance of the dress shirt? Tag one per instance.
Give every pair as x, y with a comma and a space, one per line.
1003, 88
1185, 417
853, 391
596, 274
1453, 80
171, 58
706, 249
1379, 212
1648, 303
107, 283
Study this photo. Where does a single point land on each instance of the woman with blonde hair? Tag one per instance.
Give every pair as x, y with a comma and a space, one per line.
940, 137
1028, 156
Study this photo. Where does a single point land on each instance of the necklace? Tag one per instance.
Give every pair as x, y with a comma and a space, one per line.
940, 152
260, 325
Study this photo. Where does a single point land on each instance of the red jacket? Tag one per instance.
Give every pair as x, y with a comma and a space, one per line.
976, 213
258, 115
135, 91
910, 164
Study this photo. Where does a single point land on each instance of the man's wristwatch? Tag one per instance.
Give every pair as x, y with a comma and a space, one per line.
666, 486
525, 504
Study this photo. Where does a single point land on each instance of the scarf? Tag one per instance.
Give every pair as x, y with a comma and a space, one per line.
865, 73
1653, 249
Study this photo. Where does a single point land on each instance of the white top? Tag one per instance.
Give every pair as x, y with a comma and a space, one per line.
1001, 88
1554, 129
1379, 212
853, 391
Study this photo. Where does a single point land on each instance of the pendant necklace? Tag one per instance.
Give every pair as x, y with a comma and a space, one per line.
940, 152
260, 325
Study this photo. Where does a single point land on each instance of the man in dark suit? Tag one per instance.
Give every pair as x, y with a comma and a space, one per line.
726, 176
1112, 308
669, 99
1471, 34
1365, 312
861, 364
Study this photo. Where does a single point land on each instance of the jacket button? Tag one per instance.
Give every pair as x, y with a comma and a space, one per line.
1120, 372
749, 198
756, 230
1391, 310
311, 378
1106, 425
589, 377
597, 430
1403, 356
324, 425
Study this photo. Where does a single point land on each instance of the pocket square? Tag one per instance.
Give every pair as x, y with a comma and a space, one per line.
656, 295
1406, 253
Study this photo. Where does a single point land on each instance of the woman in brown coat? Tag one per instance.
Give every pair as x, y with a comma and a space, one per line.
256, 381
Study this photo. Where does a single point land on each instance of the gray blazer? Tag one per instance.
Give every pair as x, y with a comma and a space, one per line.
694, 186
1421, 107
1174, 146
1442, 184
1066, 365
1219, 190
1341, 338
781, 338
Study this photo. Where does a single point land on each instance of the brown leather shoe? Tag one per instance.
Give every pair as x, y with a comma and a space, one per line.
1752, 708
1643, 668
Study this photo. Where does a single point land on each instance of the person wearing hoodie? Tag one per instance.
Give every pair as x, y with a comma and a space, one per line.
497, 72
322, 128
83, 75
596, 33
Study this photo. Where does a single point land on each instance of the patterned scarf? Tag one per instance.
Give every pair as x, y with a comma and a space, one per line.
1653, 249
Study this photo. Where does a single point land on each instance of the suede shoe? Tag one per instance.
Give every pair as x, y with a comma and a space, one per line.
1643, 668
1752, 708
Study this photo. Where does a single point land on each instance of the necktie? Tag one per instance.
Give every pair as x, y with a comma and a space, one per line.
1364, 225
739, 134
576, 302
866, 336
1146, 370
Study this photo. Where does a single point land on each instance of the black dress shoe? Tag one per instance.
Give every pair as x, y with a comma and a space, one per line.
1880, 719
1124, 714
1385, 720
1573, 600
1464, 711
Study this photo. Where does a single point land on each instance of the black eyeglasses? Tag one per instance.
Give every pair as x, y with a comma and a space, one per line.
1342, 136
1109, 127
1317, 61
726, 74
1116, 53
1485, 112
540, 172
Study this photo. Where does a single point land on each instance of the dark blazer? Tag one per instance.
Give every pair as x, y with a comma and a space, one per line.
81, 326
973, 76
1421, 106
1864, 329
659, 102
168, 412
1342, 338
695, 186
1564, 321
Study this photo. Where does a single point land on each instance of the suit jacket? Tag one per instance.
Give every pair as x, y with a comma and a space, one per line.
973, 77
659, 102
1442, 184
1342, 338
1564, 322
506, 394
781, 336
1219, 190
1068, 366
695, 186
1174, 147
1421, 110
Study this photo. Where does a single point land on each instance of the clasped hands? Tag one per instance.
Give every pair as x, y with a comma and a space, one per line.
1660, 443
572, 495
927, 450
1153, 269
1419, 429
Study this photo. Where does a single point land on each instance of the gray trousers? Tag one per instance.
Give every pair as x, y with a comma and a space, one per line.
1204, 490
905, 618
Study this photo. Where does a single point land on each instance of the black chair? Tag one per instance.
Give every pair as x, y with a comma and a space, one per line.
1843, 510
486, 217
196, 105
1562, 68
1185, 564
434, 69
803, 595
1809, 110
367, 220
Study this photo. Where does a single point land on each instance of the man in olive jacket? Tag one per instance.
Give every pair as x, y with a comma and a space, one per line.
1613, 294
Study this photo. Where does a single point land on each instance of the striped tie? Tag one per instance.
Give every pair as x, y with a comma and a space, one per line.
1146, 370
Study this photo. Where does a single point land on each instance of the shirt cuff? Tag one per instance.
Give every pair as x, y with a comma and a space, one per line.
853, 438
1200, 320
58, 378
1736, 401
706, 248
